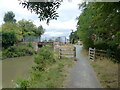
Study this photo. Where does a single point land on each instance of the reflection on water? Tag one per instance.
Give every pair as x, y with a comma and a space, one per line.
14, 68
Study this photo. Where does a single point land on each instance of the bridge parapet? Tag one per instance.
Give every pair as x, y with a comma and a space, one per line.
44, 43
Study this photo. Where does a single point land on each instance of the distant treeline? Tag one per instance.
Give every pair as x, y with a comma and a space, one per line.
13, 32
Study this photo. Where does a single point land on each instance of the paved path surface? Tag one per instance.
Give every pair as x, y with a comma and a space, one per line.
82, 74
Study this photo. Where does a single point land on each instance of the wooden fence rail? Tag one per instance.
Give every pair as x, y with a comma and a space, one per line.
101, 53
67, 52
95, 53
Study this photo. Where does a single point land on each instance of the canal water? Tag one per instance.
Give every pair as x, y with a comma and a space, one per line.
0, 74
15, 68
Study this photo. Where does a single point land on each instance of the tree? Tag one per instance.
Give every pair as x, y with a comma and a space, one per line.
98, 26
45, 10
13, 27
40, 30
50, 40
29, 29
8, 38
98, 22
73, 37
58, 39
9, 17
84, 30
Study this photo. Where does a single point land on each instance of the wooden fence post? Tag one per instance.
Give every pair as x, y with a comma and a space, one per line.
59, 53
75, 52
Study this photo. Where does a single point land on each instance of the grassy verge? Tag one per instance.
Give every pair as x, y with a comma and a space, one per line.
18, 51
49, 71
106, 70
53, 76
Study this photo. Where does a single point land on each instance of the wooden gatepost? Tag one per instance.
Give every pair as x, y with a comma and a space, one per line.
74, 52
60, 54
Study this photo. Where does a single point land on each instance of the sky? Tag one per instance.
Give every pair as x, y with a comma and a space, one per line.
66, 22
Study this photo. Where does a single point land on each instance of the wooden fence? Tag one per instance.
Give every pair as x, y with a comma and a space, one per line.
100, 53
95, 53
62, 51
67, 52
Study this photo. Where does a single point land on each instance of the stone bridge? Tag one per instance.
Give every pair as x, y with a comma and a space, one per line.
38, 45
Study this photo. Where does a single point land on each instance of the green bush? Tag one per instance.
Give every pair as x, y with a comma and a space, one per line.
17, 51
113, 52
22, 84
13, 49
100, 45
111, 48
117, 55
44, 57
48, 72
29, 45
8, 38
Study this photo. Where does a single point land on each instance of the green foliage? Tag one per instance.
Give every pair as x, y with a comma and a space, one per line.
29, 29
40, 30
116, 39
0, 28
9, 17
50, 40
53, 76
23, 84
14, 32
73, 37
13, 27
44, 58
98, 26
17, 51
58, 39
49, 75
84, 29
29, 45
8, 38
45, 10
101, 45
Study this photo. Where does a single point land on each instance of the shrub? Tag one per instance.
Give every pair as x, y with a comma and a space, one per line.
17, 51
100, 45
8, 38
13, 49
111, 48
29, 45
22, 83
44, 57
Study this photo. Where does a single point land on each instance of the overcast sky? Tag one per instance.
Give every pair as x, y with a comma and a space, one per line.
68, 11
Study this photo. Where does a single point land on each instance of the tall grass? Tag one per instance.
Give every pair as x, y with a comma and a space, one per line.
49, 72
106, 70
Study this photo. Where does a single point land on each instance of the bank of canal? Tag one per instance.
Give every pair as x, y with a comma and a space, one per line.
14, 68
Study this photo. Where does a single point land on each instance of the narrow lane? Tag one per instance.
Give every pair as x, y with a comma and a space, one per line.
82, 74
